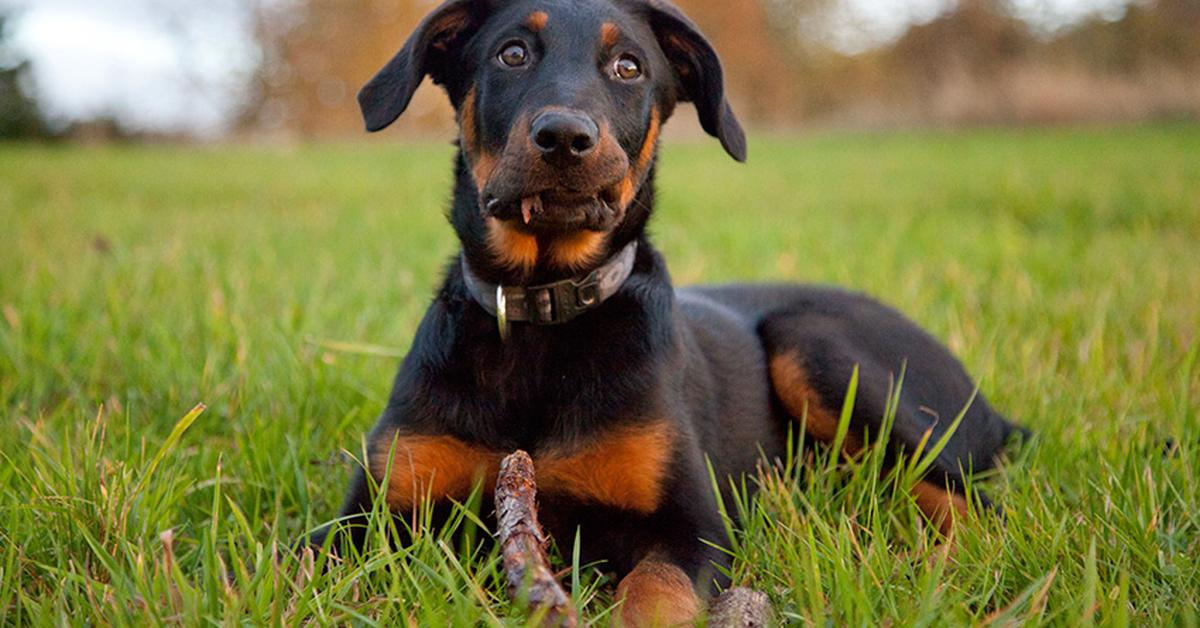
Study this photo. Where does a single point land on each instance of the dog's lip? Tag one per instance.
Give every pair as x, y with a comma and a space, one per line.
549, 205
556, 211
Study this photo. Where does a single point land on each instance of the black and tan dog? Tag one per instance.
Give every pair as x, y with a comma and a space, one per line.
557, 329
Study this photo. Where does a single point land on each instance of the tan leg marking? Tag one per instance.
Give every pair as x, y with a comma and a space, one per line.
792, 386
940, 505
440, 467
624, 469
657, 594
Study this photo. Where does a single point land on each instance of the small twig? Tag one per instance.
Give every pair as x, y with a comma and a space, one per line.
522, 543
740, 608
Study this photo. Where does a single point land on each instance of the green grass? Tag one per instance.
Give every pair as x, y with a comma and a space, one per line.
277, 286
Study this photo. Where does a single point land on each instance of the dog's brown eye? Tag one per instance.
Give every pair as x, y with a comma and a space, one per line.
514, 55
627, 68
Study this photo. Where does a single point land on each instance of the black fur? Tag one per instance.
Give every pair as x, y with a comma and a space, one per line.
696, 358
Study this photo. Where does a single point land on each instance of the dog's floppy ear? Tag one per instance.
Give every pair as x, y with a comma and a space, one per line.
699, 72
428, 51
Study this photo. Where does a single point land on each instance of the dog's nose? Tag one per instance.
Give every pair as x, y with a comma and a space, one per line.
564, 134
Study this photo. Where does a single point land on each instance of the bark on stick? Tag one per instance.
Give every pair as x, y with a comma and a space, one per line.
522, 543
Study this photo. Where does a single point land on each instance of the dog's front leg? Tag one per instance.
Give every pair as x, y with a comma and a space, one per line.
657, 593
351, 525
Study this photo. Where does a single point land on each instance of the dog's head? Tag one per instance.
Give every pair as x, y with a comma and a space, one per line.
560, 104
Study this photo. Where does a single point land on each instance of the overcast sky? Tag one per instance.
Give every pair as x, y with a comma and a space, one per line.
176, 65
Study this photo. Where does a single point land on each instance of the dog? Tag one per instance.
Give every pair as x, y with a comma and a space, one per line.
557, 329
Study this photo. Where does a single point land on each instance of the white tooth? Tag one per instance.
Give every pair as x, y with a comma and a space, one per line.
531, 205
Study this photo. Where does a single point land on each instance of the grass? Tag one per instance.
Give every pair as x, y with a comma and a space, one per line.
278, 286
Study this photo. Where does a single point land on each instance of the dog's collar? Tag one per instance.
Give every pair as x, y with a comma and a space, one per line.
553, 303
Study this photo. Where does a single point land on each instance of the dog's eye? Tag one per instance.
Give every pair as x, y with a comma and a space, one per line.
627, 68
514, 54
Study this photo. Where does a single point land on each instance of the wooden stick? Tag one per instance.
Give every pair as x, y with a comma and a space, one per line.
522, 543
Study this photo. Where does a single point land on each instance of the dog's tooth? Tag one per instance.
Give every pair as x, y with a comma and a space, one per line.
529, 206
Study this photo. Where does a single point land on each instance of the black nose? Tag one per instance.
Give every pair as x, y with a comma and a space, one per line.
564, 134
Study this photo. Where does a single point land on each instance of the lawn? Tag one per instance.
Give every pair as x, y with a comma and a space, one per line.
278, 287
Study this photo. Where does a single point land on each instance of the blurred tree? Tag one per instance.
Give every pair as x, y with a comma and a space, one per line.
978, 61
1162, 32
758, 58
317, 53
20, 117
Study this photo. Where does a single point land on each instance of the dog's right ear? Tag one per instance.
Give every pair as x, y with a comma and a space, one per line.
429, 51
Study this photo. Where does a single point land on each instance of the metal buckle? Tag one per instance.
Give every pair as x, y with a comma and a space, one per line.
587, 295
502, 312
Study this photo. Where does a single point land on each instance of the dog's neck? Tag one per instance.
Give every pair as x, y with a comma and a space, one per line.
479, 248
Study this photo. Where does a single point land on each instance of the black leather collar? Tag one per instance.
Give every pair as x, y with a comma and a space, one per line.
555, 303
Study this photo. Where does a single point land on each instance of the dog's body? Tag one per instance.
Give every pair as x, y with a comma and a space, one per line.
621, 396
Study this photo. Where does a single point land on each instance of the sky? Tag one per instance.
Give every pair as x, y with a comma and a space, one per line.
180, 65
155, 65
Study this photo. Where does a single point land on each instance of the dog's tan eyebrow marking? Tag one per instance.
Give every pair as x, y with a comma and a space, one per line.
537, 21
609, 34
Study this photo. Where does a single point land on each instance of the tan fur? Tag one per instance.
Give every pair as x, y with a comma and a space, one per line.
451, 23
609, 34
791, 383
481, 162
577, 251
439, 467
633, 180
941, 505
513, 250
537, 21
624, 469
466, 123
657, 594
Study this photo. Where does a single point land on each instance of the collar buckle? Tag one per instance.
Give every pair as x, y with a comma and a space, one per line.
551, 304
502, 313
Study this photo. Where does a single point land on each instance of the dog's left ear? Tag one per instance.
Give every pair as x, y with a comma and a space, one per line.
428, 51
698, 69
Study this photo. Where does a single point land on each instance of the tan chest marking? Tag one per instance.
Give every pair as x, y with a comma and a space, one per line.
625, 469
